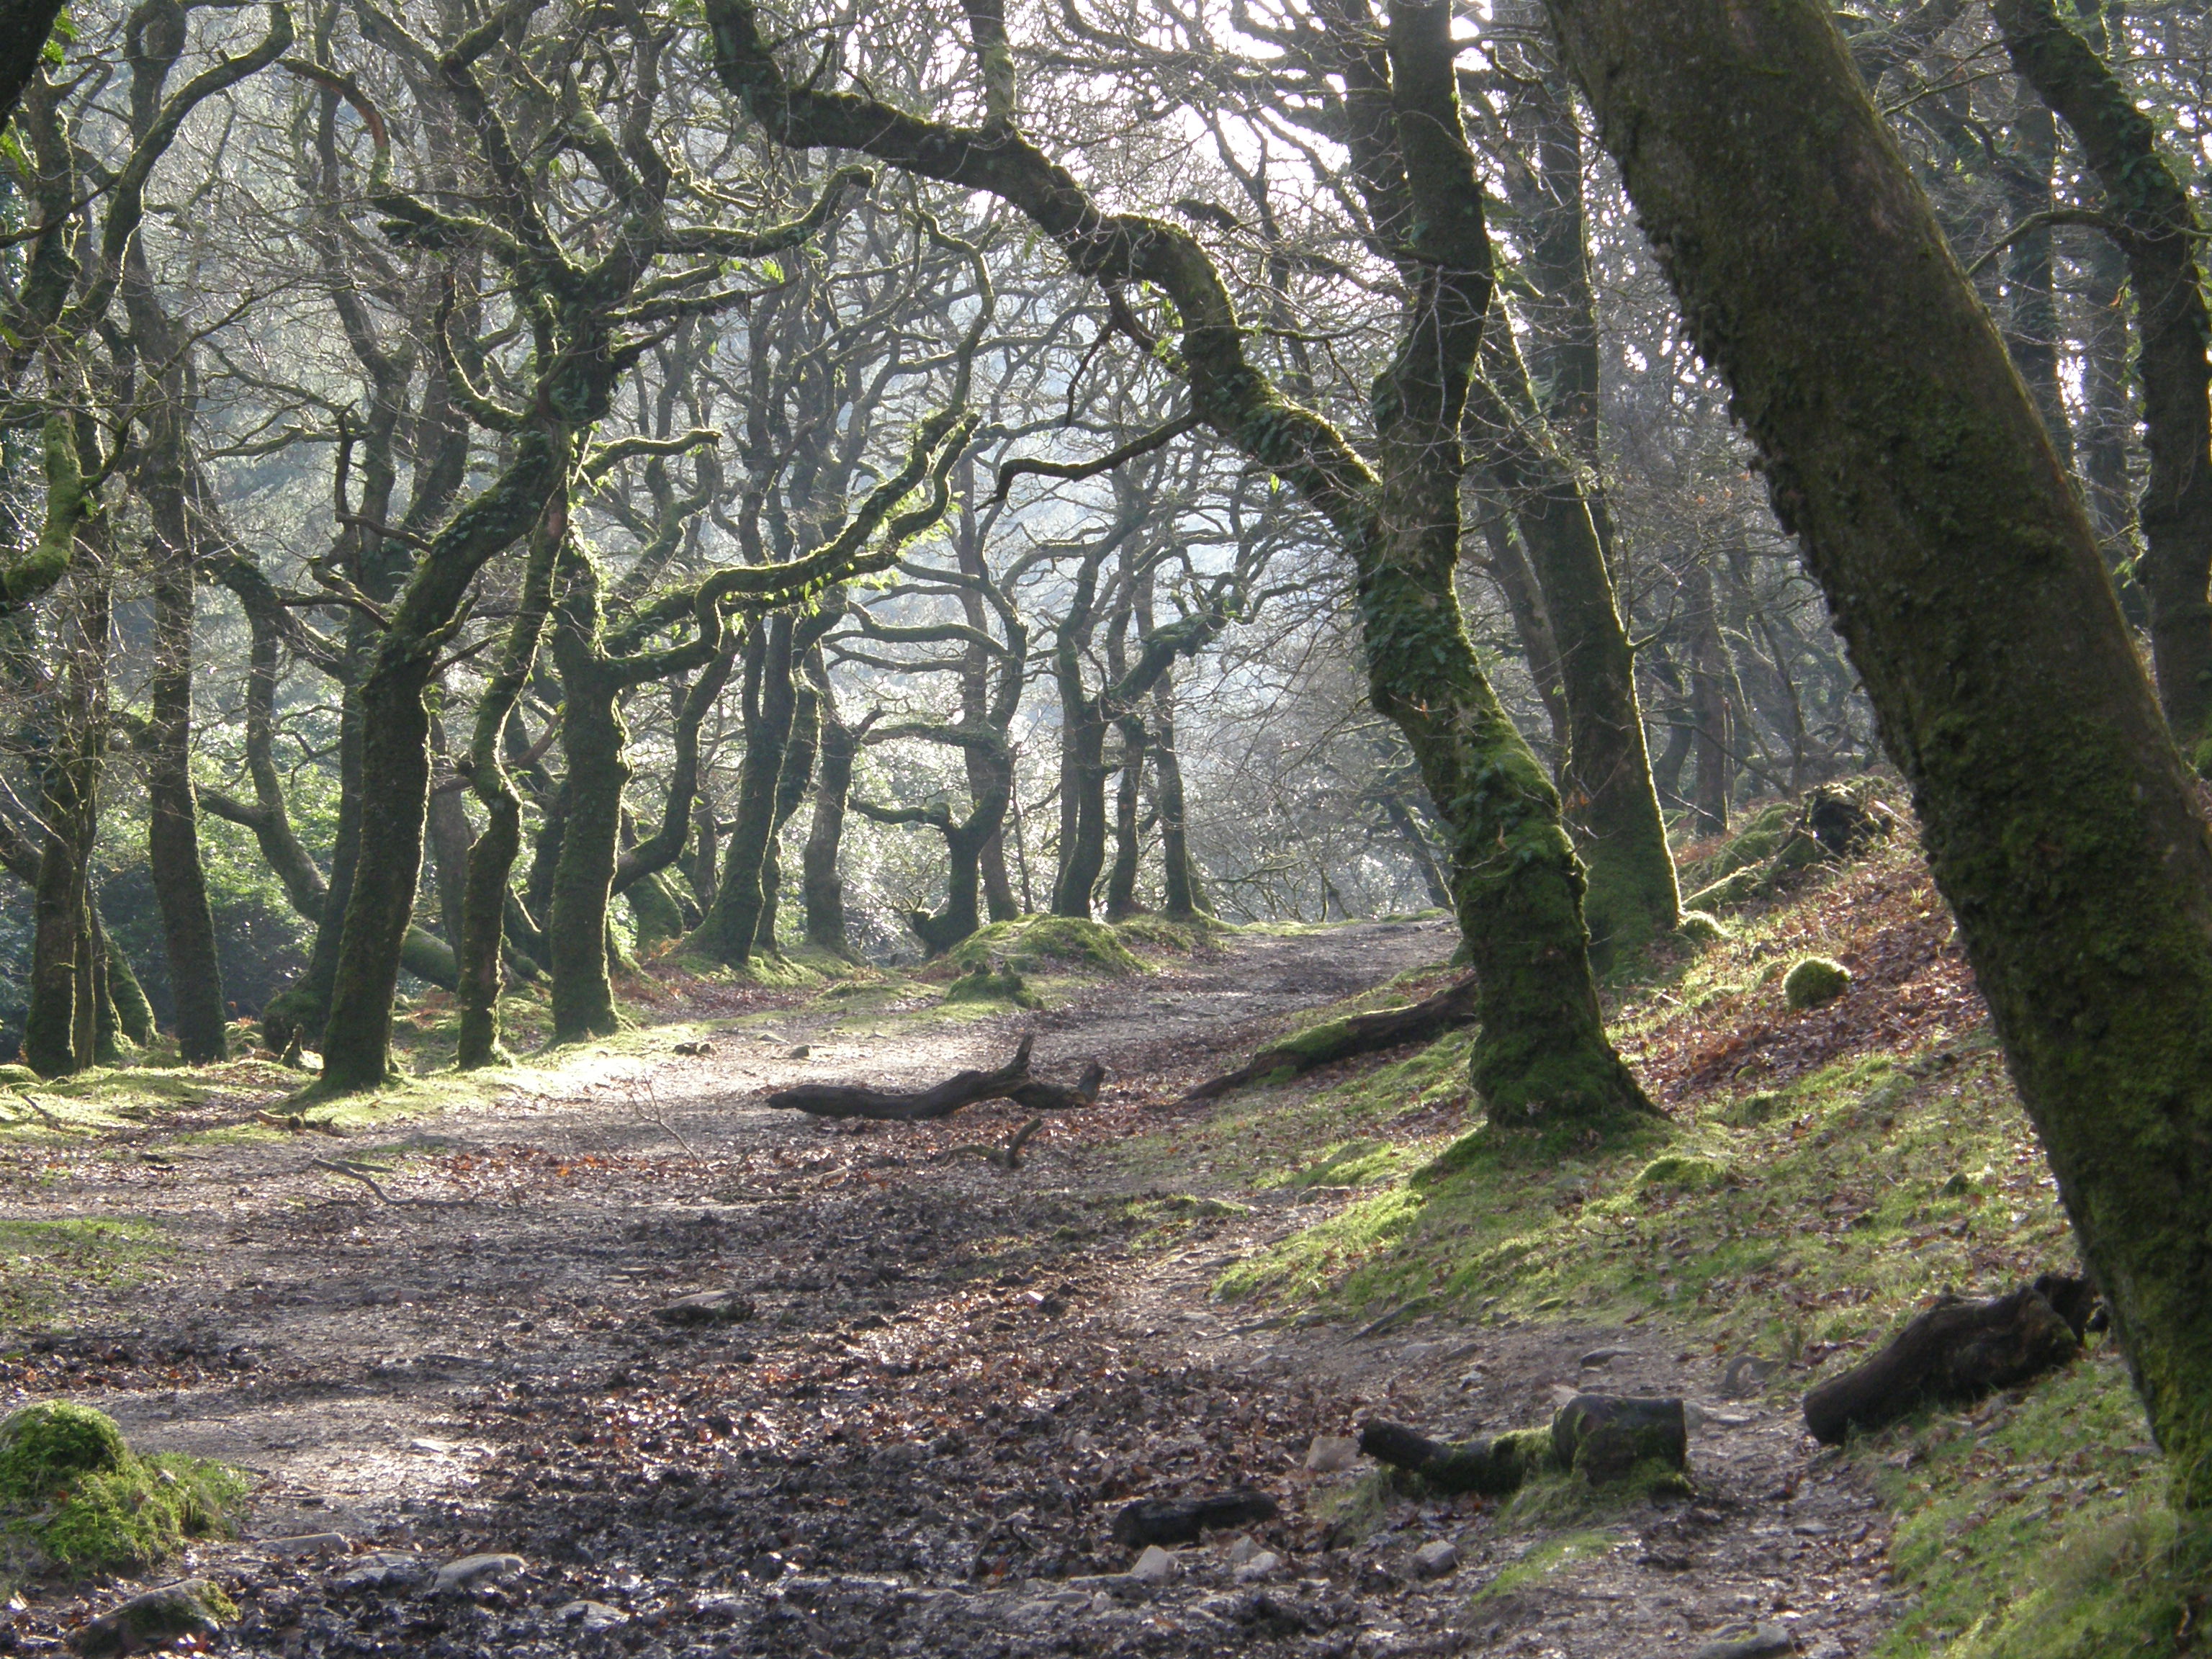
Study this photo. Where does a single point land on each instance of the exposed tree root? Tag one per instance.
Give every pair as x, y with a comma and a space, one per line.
1361, 1033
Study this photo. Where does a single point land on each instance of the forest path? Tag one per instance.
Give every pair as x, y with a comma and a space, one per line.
953, 1377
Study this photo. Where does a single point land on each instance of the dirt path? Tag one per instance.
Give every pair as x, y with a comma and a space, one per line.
951, 1380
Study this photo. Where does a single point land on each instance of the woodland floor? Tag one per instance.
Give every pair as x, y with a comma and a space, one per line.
953, 1379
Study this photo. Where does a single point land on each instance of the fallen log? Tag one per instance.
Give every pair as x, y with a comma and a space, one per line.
1956, 1353
1011, 1082
1356, 1034
1185, 1520
1605, 1438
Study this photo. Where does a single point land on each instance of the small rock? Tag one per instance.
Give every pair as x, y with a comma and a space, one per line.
1747, 1375
1244, 1549
384, 1569
707, 1308
1757, 1645
456, 1577
1156, 1566
1598, 1357
1436, 1558
160, 1618
312, 1543
1330, 1453
1259, 1566
690, 1051
436, 1447
798, 1051
590, 1615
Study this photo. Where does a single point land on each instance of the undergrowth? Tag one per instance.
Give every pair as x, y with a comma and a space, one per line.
1823, 1175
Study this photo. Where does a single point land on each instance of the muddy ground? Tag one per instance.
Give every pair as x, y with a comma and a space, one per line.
952, 1379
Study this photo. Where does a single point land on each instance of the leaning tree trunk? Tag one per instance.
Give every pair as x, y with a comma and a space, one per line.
1129, 834
2061, 823
2156, 228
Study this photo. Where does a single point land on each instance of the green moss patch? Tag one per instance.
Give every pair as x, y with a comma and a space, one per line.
1040, 944
1815, 982
1005, 987
76, 1499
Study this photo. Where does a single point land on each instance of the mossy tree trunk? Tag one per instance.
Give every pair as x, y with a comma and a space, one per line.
395, 756
173, 847
1128, 829
2062, 824
2156, 225
485, 895
1710, 722
1632, 898
60, 1023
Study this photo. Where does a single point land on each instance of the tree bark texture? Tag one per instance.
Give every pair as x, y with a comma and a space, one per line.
2060, 821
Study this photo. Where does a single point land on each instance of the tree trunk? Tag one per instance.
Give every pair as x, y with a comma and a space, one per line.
1182, 894
594, 739
2061, 823
1509, 569
172, 846
821, 888
2032, 335
396, 758
728, 933
799, 756
1606, 779
1082, 774
1709, 703
485, 896
2157, 229
2108, 418
60, 1025
1129, 835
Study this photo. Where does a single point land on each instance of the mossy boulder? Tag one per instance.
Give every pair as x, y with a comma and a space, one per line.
17, 1074
1757, 839
1815, 982
1680, 1172
1700, 928
159, 1618
1037, 944
75, 1498
982, 984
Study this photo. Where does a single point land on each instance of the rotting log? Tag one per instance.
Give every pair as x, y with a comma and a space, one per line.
1605, 1438
1425, 1021
1954, 1353
1011, 1082
1491, 1468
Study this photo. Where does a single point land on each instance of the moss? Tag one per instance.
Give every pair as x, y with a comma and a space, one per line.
1814, 982
75, 1498
1699, 928
17, 1074
1048, 944
982, 985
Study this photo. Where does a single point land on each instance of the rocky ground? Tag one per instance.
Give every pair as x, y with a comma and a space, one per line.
951, 1378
